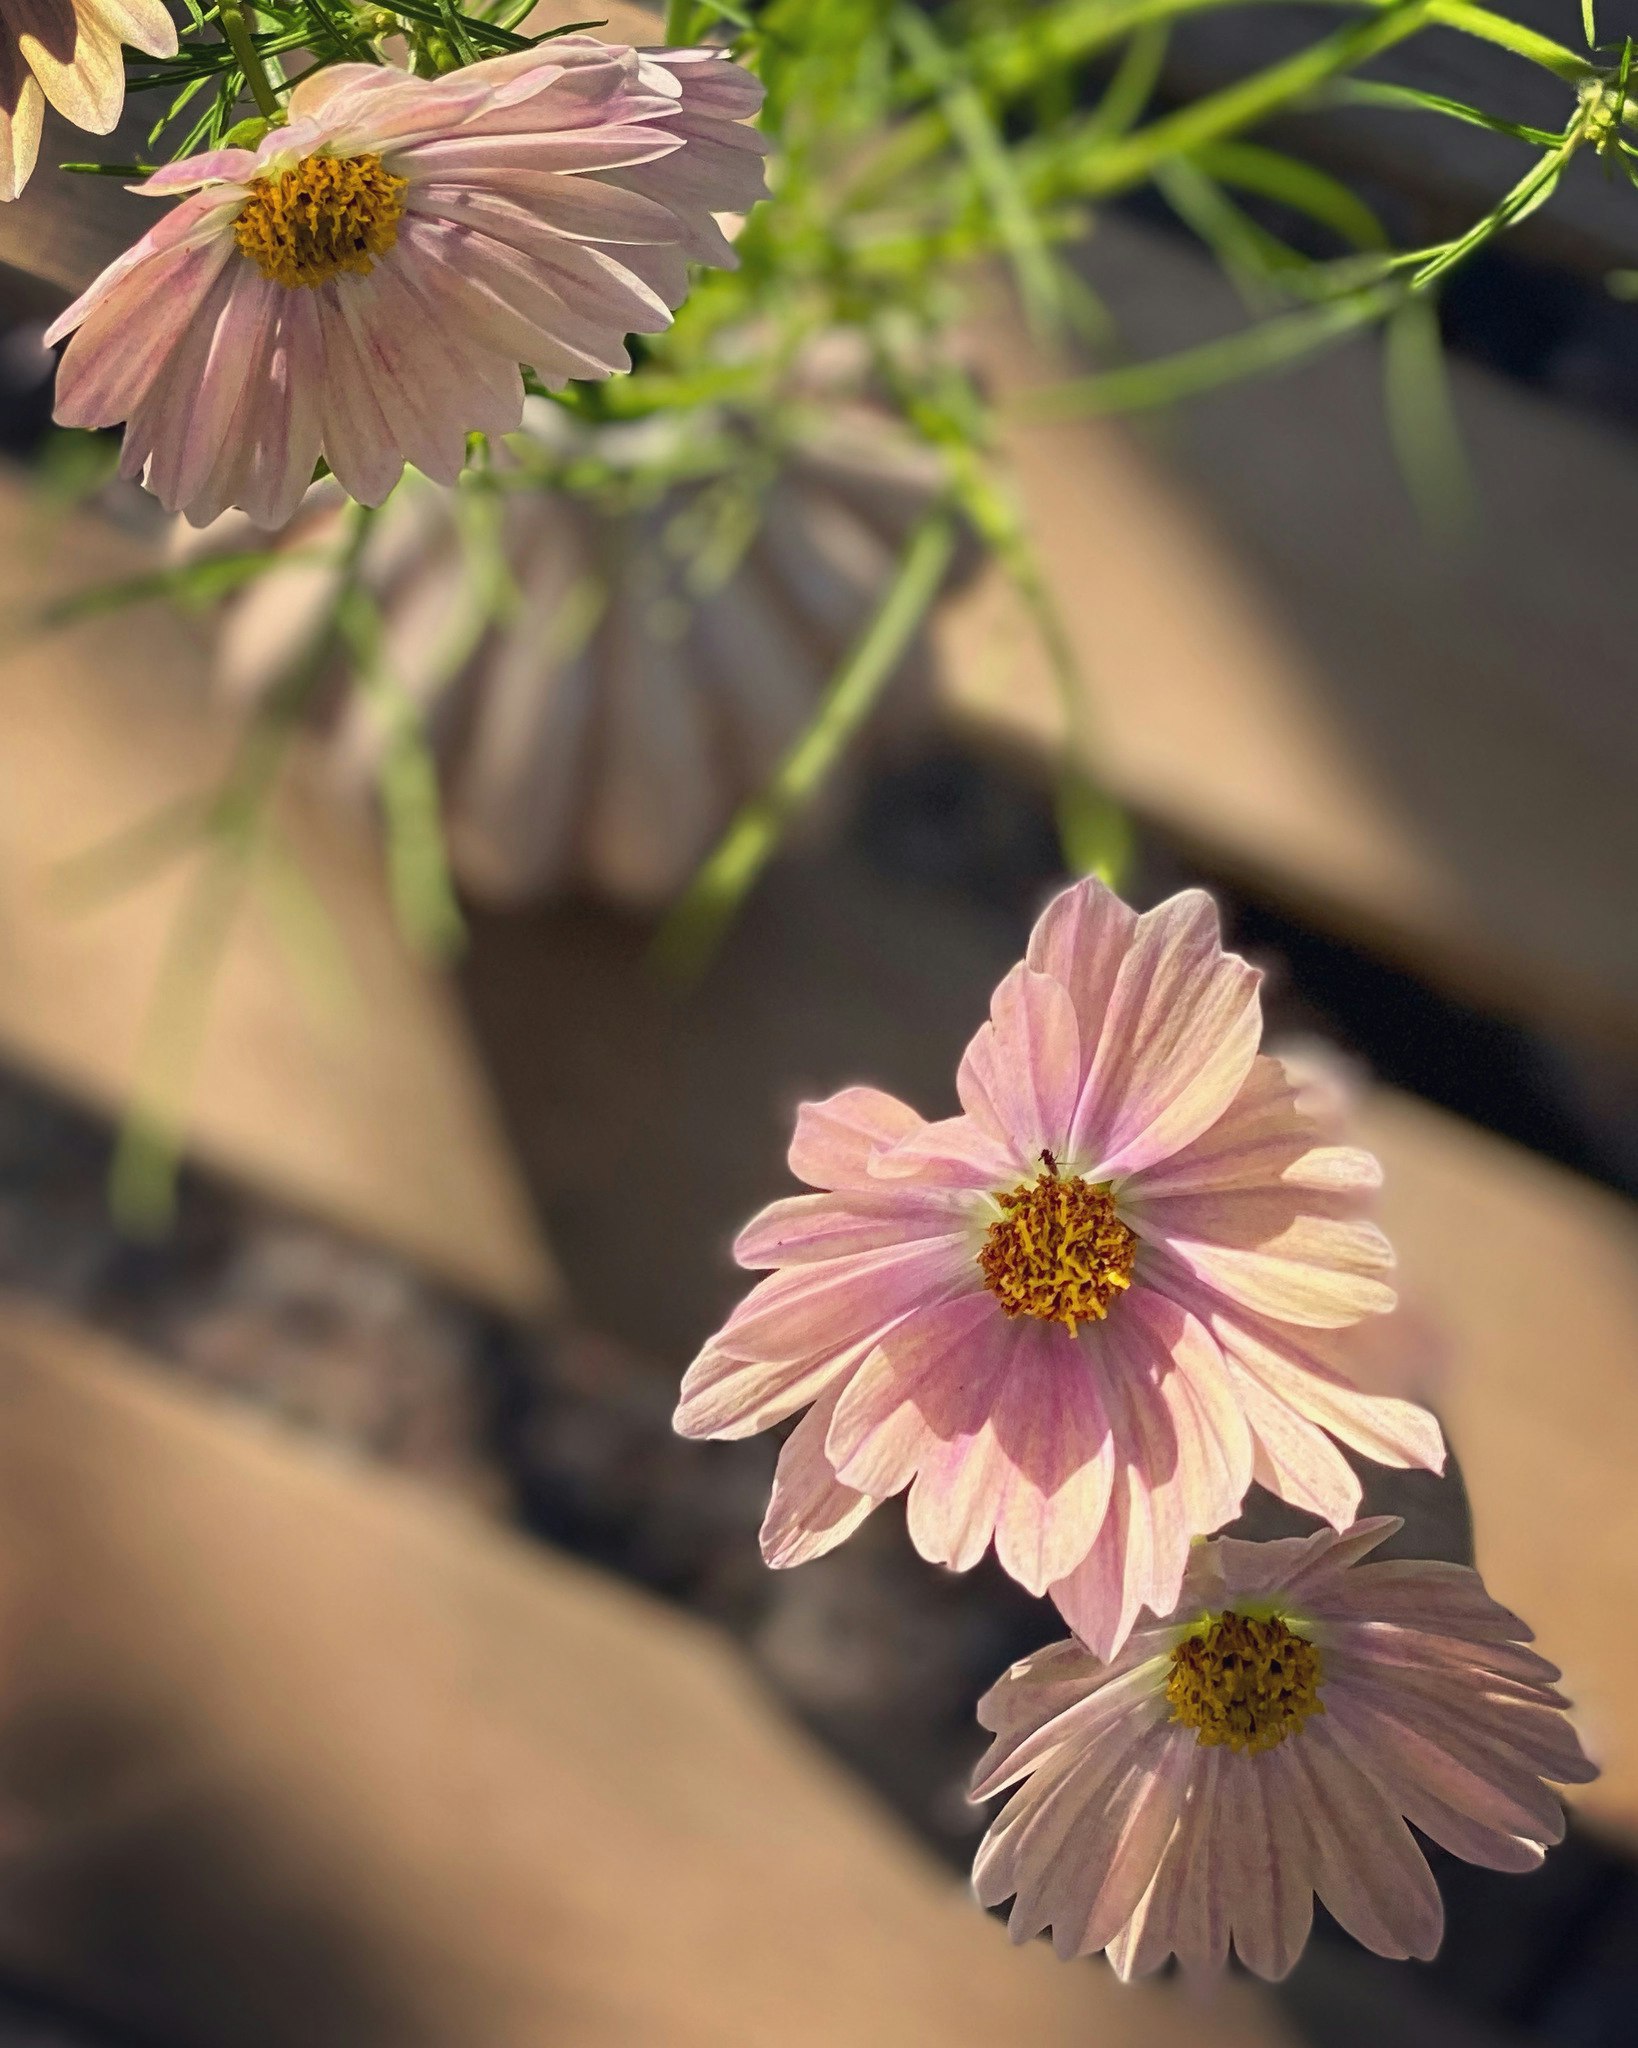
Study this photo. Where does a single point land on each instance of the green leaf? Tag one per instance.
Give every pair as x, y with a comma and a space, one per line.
1271, 174
1259, 351
1422, 423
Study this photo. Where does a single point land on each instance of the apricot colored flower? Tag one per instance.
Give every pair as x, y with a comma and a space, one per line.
68, 52
364, 284
1263, 1743
1075, 1319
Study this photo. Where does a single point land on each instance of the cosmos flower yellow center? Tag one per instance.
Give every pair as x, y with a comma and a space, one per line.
1058, 1251
1244, 1680
326, 214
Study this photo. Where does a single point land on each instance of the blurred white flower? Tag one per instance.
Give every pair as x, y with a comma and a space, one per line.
605, 673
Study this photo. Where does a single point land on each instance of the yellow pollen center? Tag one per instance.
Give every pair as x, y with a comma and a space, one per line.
1058, 1252
1245, 1680
326, 214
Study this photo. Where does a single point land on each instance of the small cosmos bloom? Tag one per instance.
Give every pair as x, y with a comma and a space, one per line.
1078, 1319
68, 52
1265, 1742
364, 284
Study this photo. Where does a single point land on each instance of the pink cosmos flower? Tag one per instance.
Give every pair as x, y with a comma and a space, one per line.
364, 284
1079, 1318
1266, 1741
67, 52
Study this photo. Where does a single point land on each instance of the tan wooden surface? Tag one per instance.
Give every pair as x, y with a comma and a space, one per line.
357, 1099
291, 1754
1534, 1274
1428, 749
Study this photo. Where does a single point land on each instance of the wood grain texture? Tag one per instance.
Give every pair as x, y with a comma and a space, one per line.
297, 1755
357, 1099
1429, 750
1533, 1274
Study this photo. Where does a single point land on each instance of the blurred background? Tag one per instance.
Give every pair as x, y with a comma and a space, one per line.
375, 1665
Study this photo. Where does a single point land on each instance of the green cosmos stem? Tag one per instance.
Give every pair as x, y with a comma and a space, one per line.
236, 27
690, 934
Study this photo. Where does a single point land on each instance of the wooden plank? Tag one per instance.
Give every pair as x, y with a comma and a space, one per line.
1533, 1273
302, 1756
1431, 752
366, 1108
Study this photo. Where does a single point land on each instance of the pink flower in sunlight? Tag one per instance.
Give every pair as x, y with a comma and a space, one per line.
68, 52
1077, 1319
364, 284
1266, 1741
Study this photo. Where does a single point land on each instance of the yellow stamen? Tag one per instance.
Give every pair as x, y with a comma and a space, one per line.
1060, 1252
327, 214
1245, 1680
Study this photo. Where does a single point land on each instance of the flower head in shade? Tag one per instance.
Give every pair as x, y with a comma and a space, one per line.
1077, 1319
68, 52
1266, 1741
598, 731
364, 284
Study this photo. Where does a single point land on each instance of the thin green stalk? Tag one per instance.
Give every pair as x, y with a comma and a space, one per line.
142, 1178
692, 931
235, 20
1253, 352
1131, 160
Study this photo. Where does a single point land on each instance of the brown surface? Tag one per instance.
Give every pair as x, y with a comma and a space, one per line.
293, 1755
1428, 749
1535, 1274
361, 1103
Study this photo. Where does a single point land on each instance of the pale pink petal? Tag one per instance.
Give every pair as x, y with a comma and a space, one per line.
1267, 1869
268, 452
1477, 1814
1296, 1460
955, 1153
793, 1312
809, 1511
1367, 1869
1270, 1254
835, 1138
1021, 1075
802, 1228
569, 150
1034, 1475
799, 1326
1300, 1369
1183, 1463
1081, 939
211, 167
1060, 1699
358, 441
1180, 1033
1265, 1137
729, 1397
939, 1385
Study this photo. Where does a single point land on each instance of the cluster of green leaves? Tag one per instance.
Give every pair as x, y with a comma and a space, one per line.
913, 147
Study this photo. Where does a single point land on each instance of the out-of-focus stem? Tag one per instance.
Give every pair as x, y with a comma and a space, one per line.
691, 933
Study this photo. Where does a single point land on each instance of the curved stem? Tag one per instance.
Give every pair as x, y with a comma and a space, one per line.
236, 27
